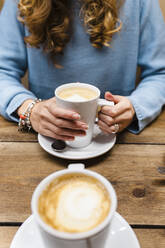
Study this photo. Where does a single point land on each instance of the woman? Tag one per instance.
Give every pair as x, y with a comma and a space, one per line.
49, 39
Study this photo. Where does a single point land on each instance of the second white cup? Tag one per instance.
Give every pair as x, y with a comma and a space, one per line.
94, 238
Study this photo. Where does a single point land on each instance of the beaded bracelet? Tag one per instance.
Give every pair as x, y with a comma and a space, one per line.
24, 123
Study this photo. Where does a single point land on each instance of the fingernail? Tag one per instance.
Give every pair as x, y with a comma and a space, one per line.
82, 134
112, 130
76, 116
70, 138
84, 126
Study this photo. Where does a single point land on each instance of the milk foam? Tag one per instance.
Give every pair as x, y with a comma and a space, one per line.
75, 206
78, 208
76, 98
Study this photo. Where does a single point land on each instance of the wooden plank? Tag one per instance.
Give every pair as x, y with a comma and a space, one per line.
154, 133
1, 4
9, 132
132, 169
151, 238
162, 5
6, 236
148, 238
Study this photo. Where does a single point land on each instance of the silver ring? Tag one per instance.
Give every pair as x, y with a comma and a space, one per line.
116, 128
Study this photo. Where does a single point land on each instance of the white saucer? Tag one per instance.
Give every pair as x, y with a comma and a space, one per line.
100, 144
121, 235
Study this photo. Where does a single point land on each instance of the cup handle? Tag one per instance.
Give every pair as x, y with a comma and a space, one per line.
76, 166
103, 102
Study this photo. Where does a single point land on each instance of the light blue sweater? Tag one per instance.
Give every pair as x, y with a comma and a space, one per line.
141, 42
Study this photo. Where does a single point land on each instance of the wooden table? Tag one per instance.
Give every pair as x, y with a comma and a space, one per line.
131, 166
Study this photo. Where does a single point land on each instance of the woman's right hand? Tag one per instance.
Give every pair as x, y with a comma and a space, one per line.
50, 120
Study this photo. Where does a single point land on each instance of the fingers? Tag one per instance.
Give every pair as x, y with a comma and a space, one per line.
63, 113
123, 105
52, 121
115, 98
106, 119
51, 134
121, 114
109, 96
63, 123
63, 131
112, 121
104, 127
109, 129
124, 117
115, 110
107, 123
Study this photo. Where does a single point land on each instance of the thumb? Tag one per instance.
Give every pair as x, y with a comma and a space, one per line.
110, 97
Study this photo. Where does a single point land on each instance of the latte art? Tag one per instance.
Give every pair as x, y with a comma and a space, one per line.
76, 98
74, 203
77, 93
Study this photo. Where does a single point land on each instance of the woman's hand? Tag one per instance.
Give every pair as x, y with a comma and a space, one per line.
50, 120
121, 113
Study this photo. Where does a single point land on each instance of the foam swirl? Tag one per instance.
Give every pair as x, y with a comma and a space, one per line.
76, 98
77, 205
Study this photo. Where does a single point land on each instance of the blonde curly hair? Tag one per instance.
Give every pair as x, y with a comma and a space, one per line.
49, 22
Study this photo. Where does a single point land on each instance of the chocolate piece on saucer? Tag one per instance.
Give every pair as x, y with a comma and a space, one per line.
58, 145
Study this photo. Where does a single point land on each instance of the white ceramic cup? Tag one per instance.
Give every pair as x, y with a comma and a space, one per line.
95, 238
87, 110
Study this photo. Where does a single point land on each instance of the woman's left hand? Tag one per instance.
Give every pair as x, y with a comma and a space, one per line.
113, 119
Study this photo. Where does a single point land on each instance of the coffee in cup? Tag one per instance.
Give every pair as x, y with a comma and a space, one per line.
77, 93
74, 203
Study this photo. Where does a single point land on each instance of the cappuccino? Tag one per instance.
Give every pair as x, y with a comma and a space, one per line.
77, 94
74, 203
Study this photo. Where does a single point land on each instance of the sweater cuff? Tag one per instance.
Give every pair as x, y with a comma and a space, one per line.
15, 103
138, 123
